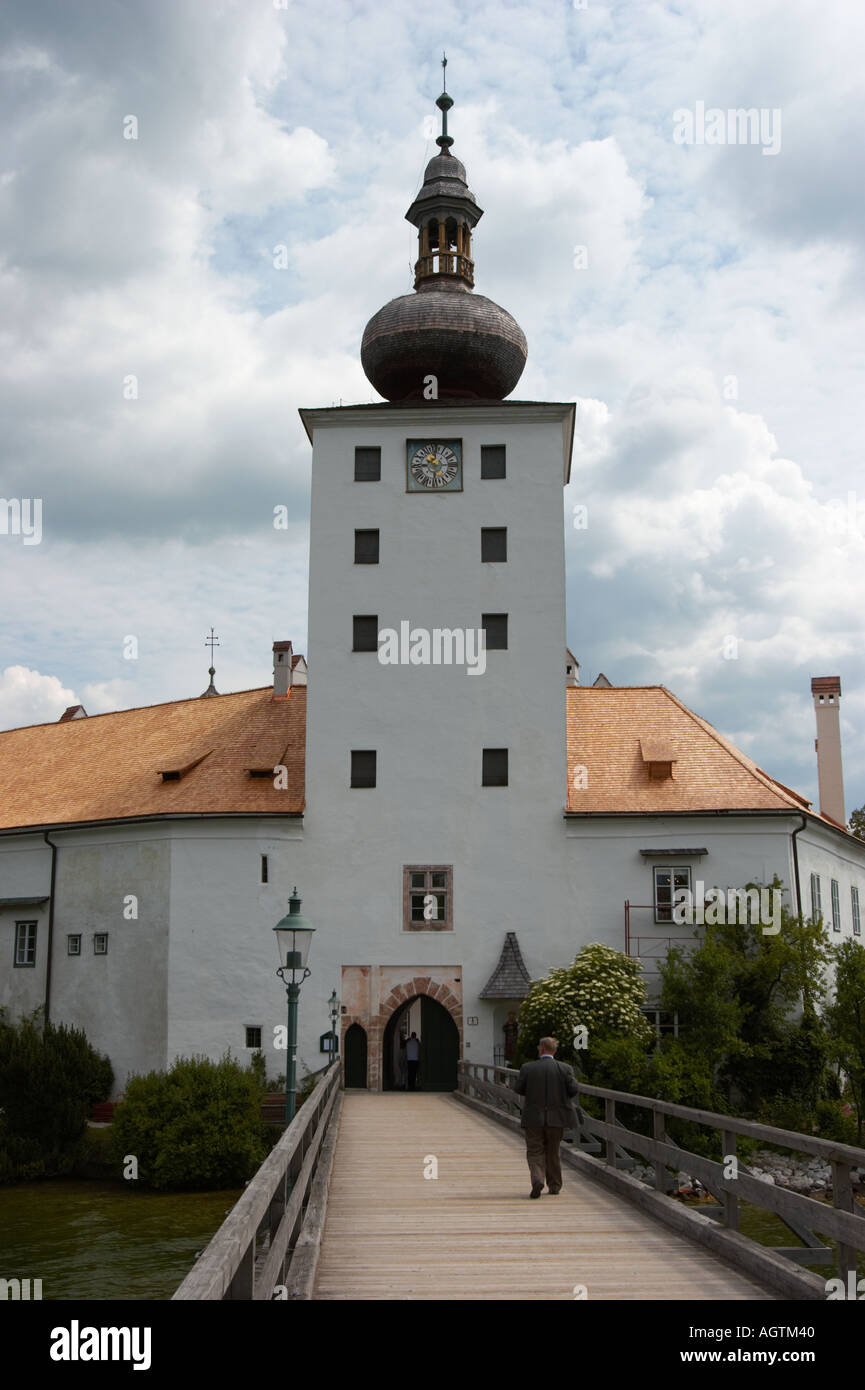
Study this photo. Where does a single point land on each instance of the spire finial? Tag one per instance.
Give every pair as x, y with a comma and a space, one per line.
444, 104
211, 642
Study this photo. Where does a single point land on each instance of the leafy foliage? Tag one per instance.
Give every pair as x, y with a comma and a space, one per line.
50, 1078
856, 824
602, 991
195, 1126
845, 1017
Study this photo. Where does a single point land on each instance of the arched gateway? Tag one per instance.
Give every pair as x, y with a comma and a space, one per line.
439, 1046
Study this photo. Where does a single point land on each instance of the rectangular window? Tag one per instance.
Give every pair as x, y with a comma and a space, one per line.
495, 768
668, 880
494, 544
492, 460
495, 626
365, 633
366, 547
264, 868
25, 943
816, 905
363, 767
854, 905
253, 1037
73, 945
367, 464
427, 897
836, 906
100, 943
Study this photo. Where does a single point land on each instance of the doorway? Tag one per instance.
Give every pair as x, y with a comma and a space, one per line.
439, 1046
355, 1057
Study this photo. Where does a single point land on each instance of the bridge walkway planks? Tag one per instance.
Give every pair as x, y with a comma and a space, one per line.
473, 1232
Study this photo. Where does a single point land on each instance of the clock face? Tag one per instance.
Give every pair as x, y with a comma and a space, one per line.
434, 465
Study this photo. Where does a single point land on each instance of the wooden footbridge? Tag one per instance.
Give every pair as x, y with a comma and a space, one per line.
409, 1196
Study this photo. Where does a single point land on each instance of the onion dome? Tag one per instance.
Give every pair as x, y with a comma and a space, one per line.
472, 347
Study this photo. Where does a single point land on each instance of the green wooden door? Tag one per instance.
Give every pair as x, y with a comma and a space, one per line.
440, 1047
355, 1056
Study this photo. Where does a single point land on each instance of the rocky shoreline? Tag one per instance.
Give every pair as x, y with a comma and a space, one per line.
810, 1176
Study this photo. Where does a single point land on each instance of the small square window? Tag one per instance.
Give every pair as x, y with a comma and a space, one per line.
365, 633
494, 544
363, 767
73, 945
492, 460
25, 943
495, 768
495, 626
427, 899
366, 547
253, 1037
367, 464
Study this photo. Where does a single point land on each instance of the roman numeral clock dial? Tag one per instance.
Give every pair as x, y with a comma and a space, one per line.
434, 465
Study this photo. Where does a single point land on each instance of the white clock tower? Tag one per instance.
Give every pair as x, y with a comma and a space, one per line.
436, 762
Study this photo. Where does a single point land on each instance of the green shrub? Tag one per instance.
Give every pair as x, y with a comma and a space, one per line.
49, 1079
194, 1127
601, 990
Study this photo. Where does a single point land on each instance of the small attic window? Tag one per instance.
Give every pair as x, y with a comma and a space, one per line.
658, 757
174, 774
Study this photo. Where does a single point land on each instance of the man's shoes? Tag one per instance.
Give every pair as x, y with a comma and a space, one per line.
554, 1191
537, 1189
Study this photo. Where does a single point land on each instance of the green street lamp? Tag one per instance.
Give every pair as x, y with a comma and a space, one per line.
333, 1005
293, 937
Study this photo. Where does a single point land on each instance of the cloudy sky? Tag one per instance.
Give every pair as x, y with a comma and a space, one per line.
701, 301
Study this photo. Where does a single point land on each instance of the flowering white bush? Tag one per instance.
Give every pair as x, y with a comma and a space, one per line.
602, 991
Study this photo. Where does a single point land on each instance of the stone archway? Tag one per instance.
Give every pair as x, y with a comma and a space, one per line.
401, 994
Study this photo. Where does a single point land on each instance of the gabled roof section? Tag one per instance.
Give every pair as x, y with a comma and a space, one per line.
609, 731
510, 979
109, 766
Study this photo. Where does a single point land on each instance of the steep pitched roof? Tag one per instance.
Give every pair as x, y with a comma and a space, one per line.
110, 766
606, 727
510, 979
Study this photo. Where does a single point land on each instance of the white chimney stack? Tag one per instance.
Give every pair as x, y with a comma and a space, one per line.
282, 663
827, 698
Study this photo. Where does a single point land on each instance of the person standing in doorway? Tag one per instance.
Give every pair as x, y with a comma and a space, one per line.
412, 1060
547, 1086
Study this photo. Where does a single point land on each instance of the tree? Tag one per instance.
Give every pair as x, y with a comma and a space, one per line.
601, 991
856, 824
845, 1018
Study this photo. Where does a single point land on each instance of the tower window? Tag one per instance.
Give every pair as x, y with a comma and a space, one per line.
367, 464
253, 1037
264, 868
365, 633
495, 768
366, 547
495, 626
492, 460
494, 543
427, 897
363, 767
25, 943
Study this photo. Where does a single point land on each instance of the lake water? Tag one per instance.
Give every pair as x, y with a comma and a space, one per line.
93, 1240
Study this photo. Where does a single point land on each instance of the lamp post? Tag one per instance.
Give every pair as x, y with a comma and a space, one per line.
293, 937
333, 1003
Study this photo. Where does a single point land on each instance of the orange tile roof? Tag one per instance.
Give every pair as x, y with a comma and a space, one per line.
606, 727
108, 766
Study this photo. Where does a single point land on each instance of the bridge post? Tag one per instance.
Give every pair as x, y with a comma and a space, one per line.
731, 1201
843, 1201
610, 1118
658, 1132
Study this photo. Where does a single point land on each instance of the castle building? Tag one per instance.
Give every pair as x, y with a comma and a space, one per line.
459, 814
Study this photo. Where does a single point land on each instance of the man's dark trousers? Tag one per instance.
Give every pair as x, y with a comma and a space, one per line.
547, 1086
411, 1068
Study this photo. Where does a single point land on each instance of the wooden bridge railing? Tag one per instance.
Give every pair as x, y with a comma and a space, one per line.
267, 1245
844, 1221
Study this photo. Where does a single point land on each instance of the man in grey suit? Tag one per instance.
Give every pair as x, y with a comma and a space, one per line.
547, 1086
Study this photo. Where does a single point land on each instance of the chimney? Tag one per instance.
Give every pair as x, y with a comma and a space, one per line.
281, 669
827, 697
